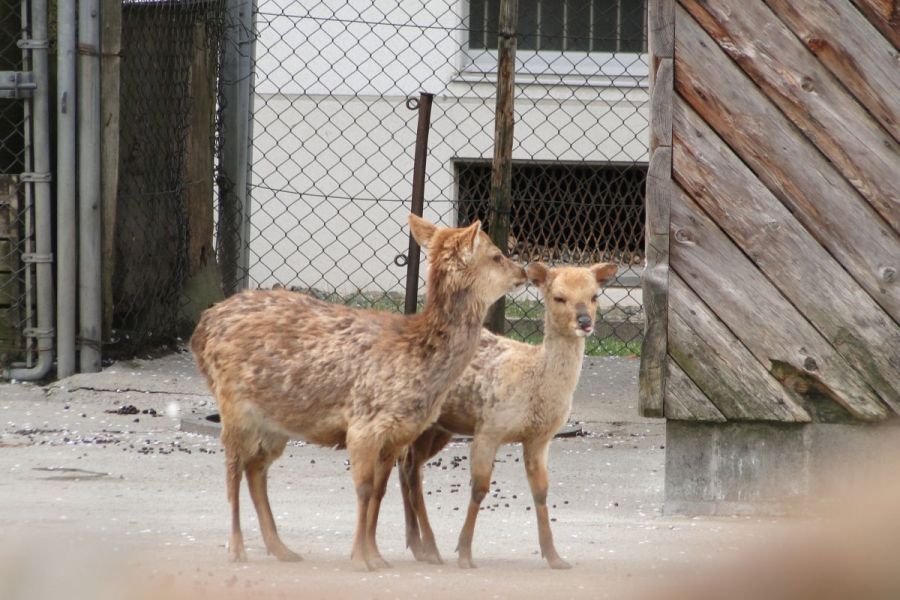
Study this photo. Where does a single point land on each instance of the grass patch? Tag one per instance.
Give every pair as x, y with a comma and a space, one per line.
593, 347
519, 310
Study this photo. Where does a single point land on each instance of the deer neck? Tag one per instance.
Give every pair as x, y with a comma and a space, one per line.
450, 328
562, 359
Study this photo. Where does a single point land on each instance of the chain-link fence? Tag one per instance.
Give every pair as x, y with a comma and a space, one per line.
16, 235
333, 143
332, 153
162, 268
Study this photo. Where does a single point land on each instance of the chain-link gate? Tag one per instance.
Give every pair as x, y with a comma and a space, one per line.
332, 143
17, 275
12, 162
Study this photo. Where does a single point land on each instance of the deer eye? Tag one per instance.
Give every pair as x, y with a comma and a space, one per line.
559, 299
497, 258
594, 297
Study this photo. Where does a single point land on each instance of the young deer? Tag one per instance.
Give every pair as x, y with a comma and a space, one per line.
282, 363
511, 392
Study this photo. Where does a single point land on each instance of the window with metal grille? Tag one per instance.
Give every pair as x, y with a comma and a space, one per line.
564, 25
563, 213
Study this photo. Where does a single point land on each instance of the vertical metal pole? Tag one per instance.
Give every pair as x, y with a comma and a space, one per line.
501, 171
66, 199
423, 104
237, 82
39, 178
90, 304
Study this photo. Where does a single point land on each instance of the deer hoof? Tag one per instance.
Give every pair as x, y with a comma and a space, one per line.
237, 555
287, 555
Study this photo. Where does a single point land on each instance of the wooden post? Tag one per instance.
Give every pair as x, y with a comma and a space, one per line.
110, 64
501, 171
655, 280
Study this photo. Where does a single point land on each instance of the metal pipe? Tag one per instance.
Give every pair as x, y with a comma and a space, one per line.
237, 77
90, 304
423, 104
38, 177
248, 75
66, 199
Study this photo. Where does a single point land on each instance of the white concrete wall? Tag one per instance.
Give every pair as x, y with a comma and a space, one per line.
333, 139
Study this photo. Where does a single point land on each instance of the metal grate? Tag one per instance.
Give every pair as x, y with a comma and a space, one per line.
332, 142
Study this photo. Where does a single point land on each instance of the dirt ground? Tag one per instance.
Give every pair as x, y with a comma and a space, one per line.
93, 497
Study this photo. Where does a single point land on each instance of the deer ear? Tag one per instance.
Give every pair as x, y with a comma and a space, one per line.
538, 273
422, 230
603, 272
470, 240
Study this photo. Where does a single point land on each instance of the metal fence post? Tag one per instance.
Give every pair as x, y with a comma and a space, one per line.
237, 89
423, 105
90, 304
38, 176
66, 198
501, 174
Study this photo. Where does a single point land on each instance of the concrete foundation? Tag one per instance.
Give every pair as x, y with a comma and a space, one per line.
767, 468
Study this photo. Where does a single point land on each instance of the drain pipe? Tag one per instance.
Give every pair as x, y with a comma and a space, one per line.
66, 200
39, 179
90, 306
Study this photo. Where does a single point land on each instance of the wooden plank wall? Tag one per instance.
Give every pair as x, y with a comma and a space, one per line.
781, 204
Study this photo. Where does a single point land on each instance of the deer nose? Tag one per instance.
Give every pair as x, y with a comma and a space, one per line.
584, 321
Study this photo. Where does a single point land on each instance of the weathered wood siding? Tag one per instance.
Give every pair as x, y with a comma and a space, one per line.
777, 217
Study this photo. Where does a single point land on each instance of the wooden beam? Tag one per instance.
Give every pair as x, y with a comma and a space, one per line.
685, 401
845, 42
501, 168
661, 97
661, 29
813, 100
727, 373
786, 252
758, 314
884, 15
655, 277
802, 179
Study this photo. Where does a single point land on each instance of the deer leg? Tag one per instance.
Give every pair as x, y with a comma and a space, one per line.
535, 454
429, 545
383, 468
362, 467
257, 481
233, 469
482, 465
406, 469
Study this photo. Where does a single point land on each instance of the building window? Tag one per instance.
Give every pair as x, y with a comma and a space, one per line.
549, 31
563, 213
565, 25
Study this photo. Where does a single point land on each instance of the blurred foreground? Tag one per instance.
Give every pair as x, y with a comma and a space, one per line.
103, 497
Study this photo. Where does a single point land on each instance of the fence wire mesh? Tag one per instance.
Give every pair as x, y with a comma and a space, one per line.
332, 143
16, 235
169, 115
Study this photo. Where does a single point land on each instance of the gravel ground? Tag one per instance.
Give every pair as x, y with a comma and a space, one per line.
101, 487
